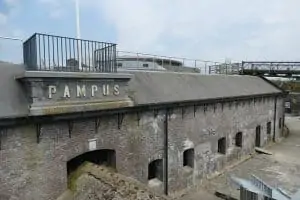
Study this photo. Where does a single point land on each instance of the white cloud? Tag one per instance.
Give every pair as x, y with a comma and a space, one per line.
214, 29
55, 8
3, 19
10, 50
9, 11
54, 3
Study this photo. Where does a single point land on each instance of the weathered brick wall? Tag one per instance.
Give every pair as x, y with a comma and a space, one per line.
38, 171
31, 170
202, 131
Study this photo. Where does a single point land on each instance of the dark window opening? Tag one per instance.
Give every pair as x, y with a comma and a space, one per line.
155, 169
236, 104
222, 145
120, 65
145, 65
257, 136
280, 123
188, 158
215, 107
239, 139
204, 108
269, 124
105, 157
244, 103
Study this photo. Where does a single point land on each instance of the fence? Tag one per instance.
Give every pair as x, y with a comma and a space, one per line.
271, 66
249, 195
141, 61
44, 52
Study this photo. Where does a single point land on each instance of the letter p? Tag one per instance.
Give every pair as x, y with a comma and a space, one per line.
51, 90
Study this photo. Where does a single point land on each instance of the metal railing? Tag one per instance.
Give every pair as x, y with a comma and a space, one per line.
44, 52
142, 61
271, 68
261, 185
246, 194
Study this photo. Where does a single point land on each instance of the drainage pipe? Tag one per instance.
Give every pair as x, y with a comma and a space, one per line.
166, 152
275, 114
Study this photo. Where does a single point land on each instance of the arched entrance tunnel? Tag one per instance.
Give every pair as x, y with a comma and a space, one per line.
106, 157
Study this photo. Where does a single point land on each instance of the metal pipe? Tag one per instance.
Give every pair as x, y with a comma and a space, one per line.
166, 152
283, 116
275, 112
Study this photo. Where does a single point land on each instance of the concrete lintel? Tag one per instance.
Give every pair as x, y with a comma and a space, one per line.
73, 75
83, 107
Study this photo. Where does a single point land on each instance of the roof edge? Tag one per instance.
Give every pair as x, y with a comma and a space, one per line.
8, 121
274, 85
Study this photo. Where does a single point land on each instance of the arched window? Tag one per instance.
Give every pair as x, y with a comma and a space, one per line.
222, 145
155, 169
188, 158
269, 124
239, 139
257, 136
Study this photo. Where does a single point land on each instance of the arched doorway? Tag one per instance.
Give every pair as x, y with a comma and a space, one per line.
155, 169
105, 157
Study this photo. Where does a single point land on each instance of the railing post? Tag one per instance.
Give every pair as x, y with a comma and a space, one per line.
153, 62
138, 62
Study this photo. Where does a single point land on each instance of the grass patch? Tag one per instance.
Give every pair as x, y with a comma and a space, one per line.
75, 175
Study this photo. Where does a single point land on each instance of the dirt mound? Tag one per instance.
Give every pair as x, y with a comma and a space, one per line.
93, 182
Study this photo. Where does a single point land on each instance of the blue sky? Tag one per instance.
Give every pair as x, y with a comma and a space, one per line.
211, 30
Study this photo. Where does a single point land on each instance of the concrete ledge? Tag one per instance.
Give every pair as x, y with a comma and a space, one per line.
76, 107
75, 75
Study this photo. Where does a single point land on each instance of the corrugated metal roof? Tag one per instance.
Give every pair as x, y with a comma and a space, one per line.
163, 87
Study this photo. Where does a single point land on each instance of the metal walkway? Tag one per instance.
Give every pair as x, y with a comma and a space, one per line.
270, 69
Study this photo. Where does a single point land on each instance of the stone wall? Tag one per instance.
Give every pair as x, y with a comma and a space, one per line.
202, 131
31, 170
294, 101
